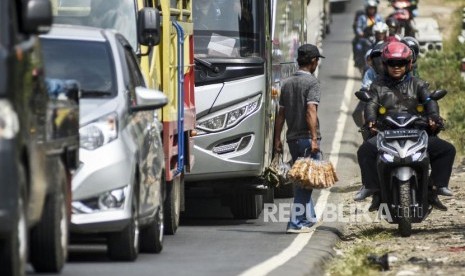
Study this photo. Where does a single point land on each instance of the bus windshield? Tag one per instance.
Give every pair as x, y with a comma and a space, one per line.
119, 15
228, 29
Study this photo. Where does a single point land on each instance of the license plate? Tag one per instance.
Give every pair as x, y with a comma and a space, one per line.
401, 133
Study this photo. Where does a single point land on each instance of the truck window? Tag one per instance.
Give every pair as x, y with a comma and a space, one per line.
119, 15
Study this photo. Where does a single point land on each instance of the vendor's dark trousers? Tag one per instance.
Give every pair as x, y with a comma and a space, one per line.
441, 154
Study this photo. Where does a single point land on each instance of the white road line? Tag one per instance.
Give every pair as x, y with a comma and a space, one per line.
302, 240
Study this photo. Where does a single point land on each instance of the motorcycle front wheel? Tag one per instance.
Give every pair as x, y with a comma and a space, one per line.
405, 200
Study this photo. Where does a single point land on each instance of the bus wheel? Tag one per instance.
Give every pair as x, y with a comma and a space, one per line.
246, 205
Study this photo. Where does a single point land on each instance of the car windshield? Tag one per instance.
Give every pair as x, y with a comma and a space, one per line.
226, 28
88, 62
119, 15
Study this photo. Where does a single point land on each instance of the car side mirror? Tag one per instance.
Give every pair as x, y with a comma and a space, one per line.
438, 94
363, 96
148, 27
37, 16
149, 99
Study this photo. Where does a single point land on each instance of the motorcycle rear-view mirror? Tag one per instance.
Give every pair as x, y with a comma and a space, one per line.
363, 96
438, 94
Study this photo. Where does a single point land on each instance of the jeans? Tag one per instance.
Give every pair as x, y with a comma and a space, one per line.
302, 211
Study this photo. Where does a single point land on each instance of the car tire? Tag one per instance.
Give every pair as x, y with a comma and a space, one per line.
124, 245
172, 208
49, 238
13, 249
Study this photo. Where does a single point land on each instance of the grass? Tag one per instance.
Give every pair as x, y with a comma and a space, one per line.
355, 259
442, 71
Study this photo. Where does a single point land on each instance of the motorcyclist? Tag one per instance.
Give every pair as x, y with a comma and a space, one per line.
394, 29
363, 31
375, 70
368, 19
399, 90
413, 44
380, 32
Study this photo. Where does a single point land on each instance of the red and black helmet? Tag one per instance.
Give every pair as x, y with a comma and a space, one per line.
396, 51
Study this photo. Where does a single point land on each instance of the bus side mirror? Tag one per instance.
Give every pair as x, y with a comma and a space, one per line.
148, 27
37, 16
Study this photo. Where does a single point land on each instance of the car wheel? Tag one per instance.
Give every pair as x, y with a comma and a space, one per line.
172, 206
13, 249
49, 238
124, 245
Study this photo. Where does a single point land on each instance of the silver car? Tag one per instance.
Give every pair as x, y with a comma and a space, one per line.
117, 190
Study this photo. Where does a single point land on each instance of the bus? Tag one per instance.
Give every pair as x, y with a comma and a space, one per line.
167, 66
242, 51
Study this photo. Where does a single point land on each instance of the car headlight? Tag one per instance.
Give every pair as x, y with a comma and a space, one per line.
109, 200
99, 132
229, 117
9, 123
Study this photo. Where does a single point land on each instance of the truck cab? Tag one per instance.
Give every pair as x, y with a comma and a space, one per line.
39, 144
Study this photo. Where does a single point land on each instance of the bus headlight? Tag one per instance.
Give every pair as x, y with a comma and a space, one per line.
228, 117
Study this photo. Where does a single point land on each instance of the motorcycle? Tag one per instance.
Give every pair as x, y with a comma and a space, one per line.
403, 166
403, 12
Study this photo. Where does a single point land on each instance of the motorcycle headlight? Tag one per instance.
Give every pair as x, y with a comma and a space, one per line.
388, 157
99, 132
416, 156
9, 123
229, 117
109, 200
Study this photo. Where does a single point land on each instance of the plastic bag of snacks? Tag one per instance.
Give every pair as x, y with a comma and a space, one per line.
276, 173
313, 174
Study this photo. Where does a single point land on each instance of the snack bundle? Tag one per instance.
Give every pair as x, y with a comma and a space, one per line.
313, 174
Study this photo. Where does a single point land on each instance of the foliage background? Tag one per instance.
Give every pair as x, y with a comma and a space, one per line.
442, 71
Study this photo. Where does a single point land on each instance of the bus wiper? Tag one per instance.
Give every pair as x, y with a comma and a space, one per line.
207, 64
94, 93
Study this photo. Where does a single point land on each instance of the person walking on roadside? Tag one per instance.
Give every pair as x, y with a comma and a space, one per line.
298, 108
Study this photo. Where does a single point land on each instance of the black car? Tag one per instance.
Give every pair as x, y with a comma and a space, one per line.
39, 144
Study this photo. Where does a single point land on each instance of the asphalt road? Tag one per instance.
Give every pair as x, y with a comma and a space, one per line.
215, 244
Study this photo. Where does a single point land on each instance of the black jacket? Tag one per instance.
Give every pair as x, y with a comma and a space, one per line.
401, 96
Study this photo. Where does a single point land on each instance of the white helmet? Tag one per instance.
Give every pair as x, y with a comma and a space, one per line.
380, 27
371, 3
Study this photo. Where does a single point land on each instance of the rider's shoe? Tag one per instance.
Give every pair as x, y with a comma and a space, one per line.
375, 203
444, 191
436, 203
362, 194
